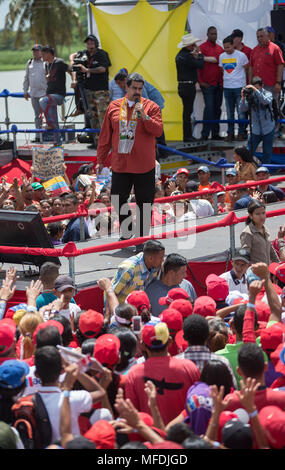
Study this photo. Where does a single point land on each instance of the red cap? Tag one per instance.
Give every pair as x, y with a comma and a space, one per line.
182, 170
275, 357
180, 342
225, 416
166, 445
278, 269
43, 325
90, 323
272, 336
217, 287
148, 420
263, 310
102, 434
7, 333
139, 299
174, 294
272, 419
155, 336
183, 306
205, 306
172, 318
107, 349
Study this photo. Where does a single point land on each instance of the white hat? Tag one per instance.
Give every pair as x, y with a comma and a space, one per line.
188, 40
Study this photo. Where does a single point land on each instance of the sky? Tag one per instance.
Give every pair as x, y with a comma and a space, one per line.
4, 8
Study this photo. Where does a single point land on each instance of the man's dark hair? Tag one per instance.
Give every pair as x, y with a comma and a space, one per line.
128, 341
269, 197
48, 49
228, 39
210, 28
153, 246
48, 336
67, 335
120, 76
49, 271
174, 261
134, 445
196, 330
243, 153
217, 373
196, 443
237, 33
80, 442
48, 364
179, 432
239, 317
72, 197
251, 360
87, 347
134, 77
264, 30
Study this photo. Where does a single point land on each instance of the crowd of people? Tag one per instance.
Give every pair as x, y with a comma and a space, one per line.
160, 366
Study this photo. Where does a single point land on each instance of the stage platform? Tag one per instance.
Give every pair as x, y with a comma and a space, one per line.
208, 246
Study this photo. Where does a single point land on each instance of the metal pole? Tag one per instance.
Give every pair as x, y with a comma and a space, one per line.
82, 231
223, 176
7, 120
232, 239
215, 197
71, 262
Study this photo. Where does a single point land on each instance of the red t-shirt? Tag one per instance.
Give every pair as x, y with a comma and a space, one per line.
264, 61
172, 378
211, 73
264, 397
246, 50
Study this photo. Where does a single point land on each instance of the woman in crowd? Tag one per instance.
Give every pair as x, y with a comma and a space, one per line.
245, 165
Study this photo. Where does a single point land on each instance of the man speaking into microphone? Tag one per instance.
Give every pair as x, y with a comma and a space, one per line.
130, 127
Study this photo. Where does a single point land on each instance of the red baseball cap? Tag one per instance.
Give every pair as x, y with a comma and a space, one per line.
174, 294
139, 299
172, 318
217, 287
272, 419
183, 170
277, 359
272, 336
183, 306
90, 323
107, 349
148, 420
262, 310
278, 269
155, 336
43, 325
102, 434
180, 342
225, 416
205, 306
7, 333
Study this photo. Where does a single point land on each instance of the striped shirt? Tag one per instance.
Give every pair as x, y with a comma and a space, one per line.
200, 355
132, 274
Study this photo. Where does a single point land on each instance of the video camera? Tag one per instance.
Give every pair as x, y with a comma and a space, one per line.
81, 60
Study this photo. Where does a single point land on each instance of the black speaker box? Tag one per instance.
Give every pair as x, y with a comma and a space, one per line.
278, 23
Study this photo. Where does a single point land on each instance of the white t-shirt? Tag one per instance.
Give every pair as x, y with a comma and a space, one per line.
233, 68
80, 402
202, 207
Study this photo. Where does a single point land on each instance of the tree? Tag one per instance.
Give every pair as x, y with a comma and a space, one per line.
49, 21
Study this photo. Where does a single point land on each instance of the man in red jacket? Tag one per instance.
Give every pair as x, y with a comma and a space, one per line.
130, 127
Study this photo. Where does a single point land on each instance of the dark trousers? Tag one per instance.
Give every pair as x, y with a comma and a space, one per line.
213, 98
187, 93
144, 188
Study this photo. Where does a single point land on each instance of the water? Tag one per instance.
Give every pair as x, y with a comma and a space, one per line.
21, 110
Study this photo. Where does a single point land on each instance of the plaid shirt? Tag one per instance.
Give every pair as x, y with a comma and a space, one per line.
202, 354
132, 274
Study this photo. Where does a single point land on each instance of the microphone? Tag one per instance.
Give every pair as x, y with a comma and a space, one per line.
138, 113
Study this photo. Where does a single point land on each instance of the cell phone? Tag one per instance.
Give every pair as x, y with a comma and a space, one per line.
136, 324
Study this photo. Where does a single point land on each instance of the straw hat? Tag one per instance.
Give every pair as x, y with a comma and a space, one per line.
188, 40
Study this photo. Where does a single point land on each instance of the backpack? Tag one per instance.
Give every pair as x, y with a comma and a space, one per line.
32, 422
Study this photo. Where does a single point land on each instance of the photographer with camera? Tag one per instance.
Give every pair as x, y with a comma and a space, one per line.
259, 104
90, 70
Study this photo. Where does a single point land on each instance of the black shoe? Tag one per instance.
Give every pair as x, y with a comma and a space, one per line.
84, 138
190, 139
217, 137
203, 138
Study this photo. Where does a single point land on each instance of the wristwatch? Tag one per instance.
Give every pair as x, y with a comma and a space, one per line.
147, 117
66, 393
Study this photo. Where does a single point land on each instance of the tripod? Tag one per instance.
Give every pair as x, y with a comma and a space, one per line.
87, 112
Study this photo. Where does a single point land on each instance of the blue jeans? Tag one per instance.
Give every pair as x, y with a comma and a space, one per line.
267, 144
213, 98
232, 99
49, 105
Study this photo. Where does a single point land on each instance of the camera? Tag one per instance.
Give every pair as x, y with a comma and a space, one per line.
248, 93
82, 60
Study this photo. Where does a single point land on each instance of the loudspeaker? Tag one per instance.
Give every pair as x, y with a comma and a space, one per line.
24, 229
278, 23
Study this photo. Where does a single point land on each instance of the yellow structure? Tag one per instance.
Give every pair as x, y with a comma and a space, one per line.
144, 40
